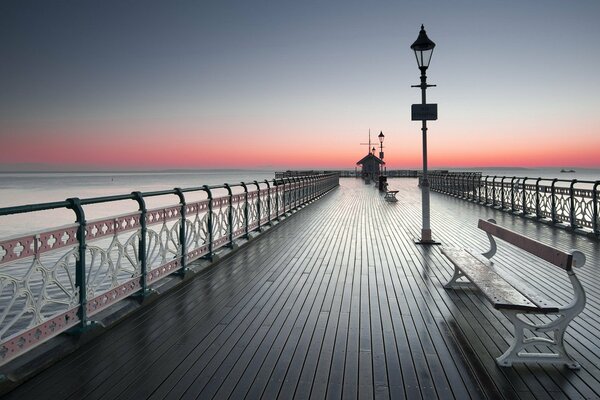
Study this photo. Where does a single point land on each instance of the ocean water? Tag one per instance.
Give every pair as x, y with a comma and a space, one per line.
581, 174
32, 188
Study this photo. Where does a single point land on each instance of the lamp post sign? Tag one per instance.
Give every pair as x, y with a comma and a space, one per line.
424, 112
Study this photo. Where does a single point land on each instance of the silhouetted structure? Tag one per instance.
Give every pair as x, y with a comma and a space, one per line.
370, 166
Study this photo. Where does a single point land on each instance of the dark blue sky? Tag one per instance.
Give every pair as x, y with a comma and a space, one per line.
278, 68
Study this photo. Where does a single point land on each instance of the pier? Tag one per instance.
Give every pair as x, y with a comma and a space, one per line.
335, 301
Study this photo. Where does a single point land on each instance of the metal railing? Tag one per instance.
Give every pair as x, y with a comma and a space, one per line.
568, 203
58, 279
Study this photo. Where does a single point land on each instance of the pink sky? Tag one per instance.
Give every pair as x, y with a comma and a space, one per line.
157, 146
297, 85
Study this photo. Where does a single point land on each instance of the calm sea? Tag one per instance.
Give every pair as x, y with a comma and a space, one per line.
581, 174
31, 188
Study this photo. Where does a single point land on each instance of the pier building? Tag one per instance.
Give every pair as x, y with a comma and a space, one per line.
370, 167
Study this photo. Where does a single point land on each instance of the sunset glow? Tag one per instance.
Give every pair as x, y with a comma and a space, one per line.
292, 85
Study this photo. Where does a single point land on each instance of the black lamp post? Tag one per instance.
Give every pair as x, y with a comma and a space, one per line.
423, 48
381, 136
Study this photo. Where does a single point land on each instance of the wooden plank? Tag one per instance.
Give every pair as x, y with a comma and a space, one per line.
543, 251
501, 293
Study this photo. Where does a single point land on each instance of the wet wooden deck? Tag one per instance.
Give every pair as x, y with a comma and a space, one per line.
337, 302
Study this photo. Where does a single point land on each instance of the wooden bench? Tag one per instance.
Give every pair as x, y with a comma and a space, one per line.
513, 297
390, 195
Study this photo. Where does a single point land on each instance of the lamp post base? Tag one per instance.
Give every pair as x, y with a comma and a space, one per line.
426, 238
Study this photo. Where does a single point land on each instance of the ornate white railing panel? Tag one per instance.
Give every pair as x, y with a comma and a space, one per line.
56, 279
571, 203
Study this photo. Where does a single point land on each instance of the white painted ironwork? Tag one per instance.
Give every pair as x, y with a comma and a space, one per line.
39, 293
574, 204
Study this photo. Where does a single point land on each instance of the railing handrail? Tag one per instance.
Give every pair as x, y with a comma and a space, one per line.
11, 210
570, 202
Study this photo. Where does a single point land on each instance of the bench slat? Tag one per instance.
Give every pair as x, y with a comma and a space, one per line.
502, 293
543, 251
534, 296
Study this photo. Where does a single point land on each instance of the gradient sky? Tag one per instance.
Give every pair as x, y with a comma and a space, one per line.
296, 84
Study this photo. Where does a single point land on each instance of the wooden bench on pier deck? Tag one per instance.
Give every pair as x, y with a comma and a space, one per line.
513, 297
390, 195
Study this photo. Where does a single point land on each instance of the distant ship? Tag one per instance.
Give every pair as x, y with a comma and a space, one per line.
567, 170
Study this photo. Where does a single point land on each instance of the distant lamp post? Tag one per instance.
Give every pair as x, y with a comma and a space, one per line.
381, 136
423, 48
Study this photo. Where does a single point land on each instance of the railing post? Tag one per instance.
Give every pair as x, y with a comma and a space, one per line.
494, 191
306, 189
80, 272
296, 186
276, 185
293, 193
290, 194
553, 200
446, 184
246, 208
572, 215
230, 214
257, 204
316, 187
538, 210
524, 196
443, 183
209, 222
142, 253
595, 209
502, 206
270, 212
485, 201
182, 238
457, 185
474, 178
512, 193
471, 186
299, 203
283, 194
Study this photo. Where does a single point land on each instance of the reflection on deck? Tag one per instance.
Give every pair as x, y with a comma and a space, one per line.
338, 302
